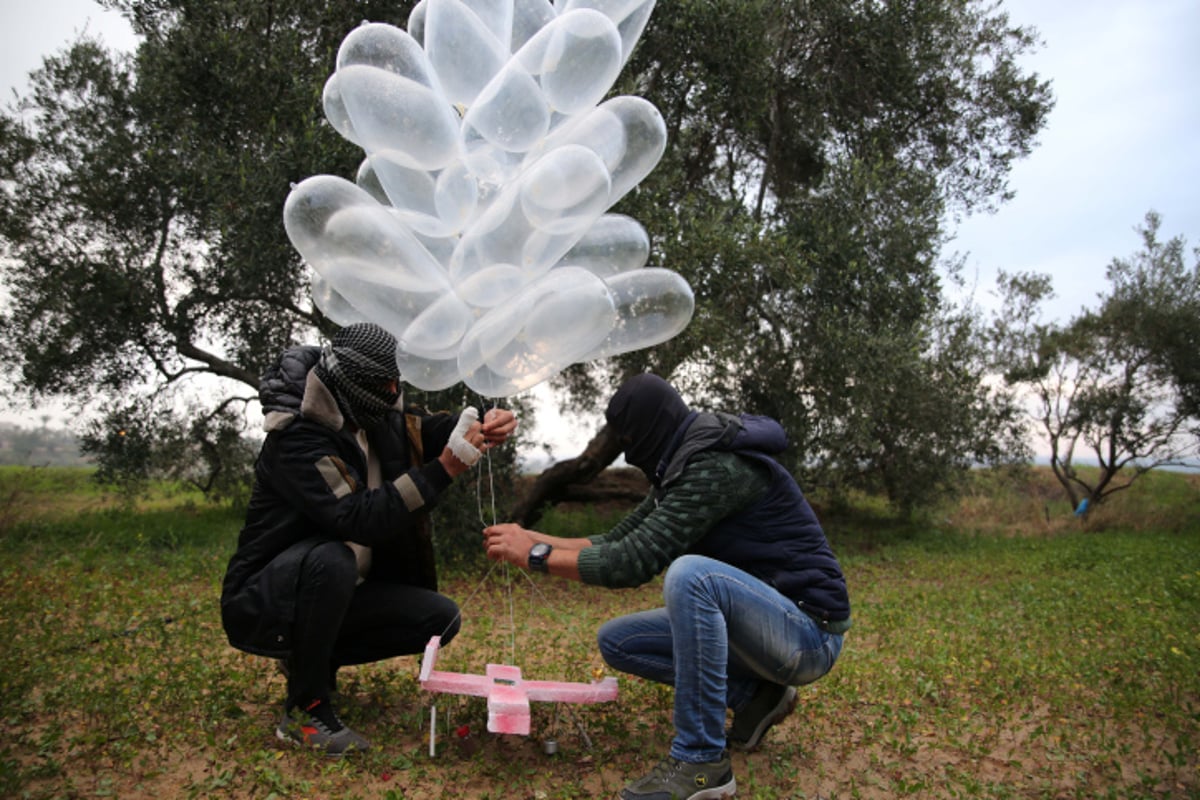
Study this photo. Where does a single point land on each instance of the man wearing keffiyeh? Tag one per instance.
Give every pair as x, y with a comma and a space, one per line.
334, 565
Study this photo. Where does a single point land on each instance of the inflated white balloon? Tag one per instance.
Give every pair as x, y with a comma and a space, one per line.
463, 49
615, 243
386, 47
335, 110
410, 191
393, 307
529, 17
492, 285
429, 374
456, 196
330, 218
627, 133
521, 343
492, 165
565, 190
495, 15
368, 181
543, 249
565, 299
511, 112
395, 113
630, 17
437, 331
645, 136
416, 21
332, 304
652, 305
576, 59
440, 247
357, 247
496, 236
477, 232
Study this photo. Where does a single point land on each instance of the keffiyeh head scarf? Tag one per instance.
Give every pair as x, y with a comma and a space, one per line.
359, 367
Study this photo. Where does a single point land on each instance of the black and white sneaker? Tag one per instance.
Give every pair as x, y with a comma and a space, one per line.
316, 725
678, 780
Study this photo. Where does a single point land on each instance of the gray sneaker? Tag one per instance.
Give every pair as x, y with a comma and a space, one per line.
317, 726
678, 780
771, 704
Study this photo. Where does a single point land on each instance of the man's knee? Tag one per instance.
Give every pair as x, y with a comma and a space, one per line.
445, 619
330, 564
608, 641
682, 573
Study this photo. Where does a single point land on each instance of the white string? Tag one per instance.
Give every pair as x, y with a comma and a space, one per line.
512, 617
508, 583
479, 512
508, 580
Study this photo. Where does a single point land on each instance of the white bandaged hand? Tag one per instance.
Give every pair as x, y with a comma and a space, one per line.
463, 450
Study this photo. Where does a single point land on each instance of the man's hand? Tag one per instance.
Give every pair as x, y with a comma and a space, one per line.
498, 424
472, 438
509, 542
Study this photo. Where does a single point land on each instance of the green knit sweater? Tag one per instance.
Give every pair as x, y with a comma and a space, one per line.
713, 485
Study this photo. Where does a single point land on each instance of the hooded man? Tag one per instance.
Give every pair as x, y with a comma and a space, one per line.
755, 603
334, 565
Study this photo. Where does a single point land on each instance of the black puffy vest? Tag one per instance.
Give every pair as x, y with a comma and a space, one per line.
778, 539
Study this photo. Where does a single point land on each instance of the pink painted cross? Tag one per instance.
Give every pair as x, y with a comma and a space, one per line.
507, 692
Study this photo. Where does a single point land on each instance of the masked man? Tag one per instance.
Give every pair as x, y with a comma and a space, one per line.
755, 602
334, 565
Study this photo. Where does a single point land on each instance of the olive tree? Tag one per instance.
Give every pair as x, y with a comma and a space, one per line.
1116, 384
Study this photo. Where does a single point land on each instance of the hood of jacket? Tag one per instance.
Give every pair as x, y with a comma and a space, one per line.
290, 388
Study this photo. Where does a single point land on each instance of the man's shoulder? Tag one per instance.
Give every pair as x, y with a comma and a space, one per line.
725, 464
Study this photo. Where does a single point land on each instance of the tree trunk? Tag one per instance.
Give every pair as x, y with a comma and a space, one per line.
555, 484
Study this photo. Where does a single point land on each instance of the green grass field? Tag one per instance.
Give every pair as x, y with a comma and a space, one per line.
1002, 649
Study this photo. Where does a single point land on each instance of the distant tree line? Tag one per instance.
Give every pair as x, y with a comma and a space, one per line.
39, 447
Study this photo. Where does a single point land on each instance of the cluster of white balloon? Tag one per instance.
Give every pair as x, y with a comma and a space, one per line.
477, 230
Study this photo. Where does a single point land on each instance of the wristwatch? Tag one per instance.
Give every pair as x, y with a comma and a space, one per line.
538, 555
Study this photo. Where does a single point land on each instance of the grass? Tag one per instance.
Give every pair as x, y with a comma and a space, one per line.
997, 653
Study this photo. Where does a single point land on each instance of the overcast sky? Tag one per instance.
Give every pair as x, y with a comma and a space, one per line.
1122, 139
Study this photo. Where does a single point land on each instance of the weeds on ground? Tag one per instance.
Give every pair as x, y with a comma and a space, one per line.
1000, 663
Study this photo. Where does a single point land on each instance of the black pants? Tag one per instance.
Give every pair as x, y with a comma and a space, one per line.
341, 622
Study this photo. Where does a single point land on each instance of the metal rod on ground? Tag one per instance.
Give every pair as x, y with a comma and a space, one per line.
582, 730
432, 731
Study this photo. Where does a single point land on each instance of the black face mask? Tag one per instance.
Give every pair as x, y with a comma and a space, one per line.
644, 415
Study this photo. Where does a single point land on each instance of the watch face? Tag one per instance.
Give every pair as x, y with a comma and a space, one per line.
540, 550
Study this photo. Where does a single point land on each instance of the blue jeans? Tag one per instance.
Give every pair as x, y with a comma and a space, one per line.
722, 633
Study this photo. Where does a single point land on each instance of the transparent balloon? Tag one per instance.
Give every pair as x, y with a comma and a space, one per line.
478, 227
614, 243
652, 305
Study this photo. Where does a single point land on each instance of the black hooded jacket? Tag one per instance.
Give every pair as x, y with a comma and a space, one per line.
311, 486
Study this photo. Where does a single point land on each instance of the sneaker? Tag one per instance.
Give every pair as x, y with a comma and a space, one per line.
678, 780
771, 704
317, 726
